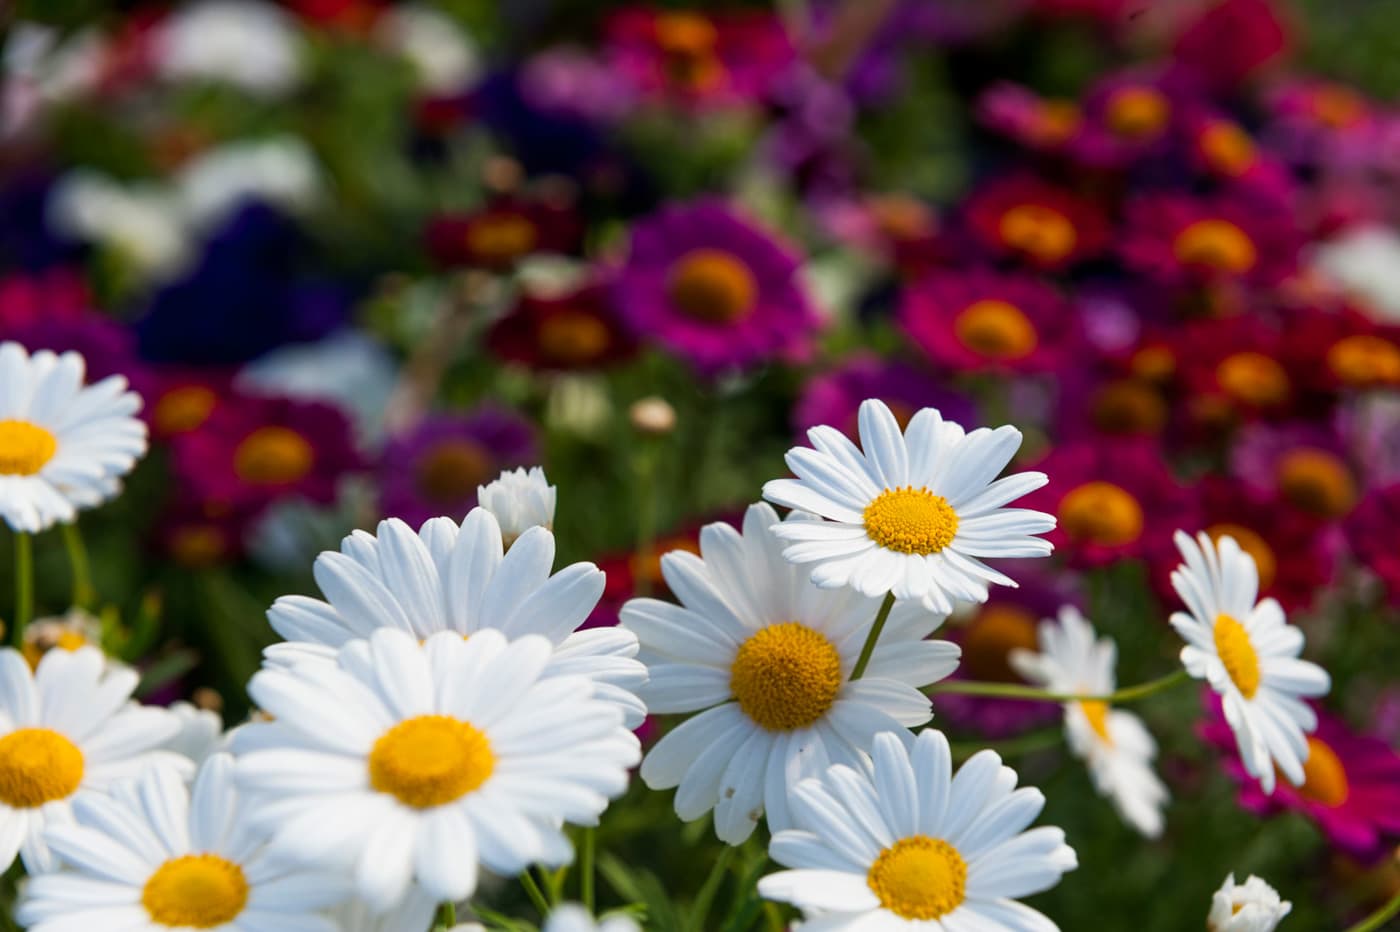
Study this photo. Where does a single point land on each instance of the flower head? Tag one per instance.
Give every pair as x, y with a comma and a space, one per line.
520, 500
577, 329
1183, 240
1043, 226
1252, 906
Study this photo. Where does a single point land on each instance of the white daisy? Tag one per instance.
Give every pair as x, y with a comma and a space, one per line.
1252, 906
446, 578
413, 913
63, 445
66, 727
201, 732
153, 855
520, 500
571, 917
1113, 743
1248, 653
252, 45
913, 513
907, 845
442, 54
404, 762
769, 656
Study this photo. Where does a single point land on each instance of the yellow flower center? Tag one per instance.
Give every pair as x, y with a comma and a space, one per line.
573, 337
24, 448
498, 238
1253, 378
990, 638
1155, 363
712, 286
1316, 481
919, 878
1324, 776
996, 329
911, 520
683, 33
1096, 714
1252, 543
273, 456
1138, 112
197, 891
1100, 512
1128, 406
182, 409
1237, 654
1364, 360
452, 470
1043, 232
37, 766
1227, 149
198, 545
1337, 106
1216, 244
786, 676
430, 760
38, 642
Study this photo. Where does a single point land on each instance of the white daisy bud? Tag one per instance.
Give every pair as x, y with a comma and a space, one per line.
520, 500
1252, 906
652, 415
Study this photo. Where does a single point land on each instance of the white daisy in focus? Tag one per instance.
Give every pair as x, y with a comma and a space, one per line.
914, 512
908, 845
1113, 743
63, 445
1249, 654
413, 913
446, 578
252, 45
571, 917
155, 855
1252, 906
441, 53
66, 727
404, 763
520, 500
765, 658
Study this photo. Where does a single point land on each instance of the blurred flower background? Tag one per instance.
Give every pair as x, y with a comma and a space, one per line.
359, 259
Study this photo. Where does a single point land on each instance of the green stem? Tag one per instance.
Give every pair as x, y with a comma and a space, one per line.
869, 647
1032, 693
586, 859
84, 595
1380, 917
447, 915
646, 511
533, 891
24, 587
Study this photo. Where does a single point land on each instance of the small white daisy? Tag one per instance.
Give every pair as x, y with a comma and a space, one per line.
153, 855
914, 512
571, 917
413, 913
1249, 654
520, 500
1252, 906
768, 656
404, 762
63, 445
68, 726
1114, 744
201, 732
446, 578
907, 845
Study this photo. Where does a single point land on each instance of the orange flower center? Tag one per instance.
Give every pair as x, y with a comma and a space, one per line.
24, 447
786, 676
682, 33
1324, 776
183, 409
501, 238
1128, 406
1364, 361
198, 545
996, 329
1253, 379
1227, 148
994, 633
1316, 481
451, 471
1101, 513
1338, 107
713, 286
573, 337
1252, 543
1040, 231
1156, 363
1216, 244
1057, 121
273, 455
1138, 112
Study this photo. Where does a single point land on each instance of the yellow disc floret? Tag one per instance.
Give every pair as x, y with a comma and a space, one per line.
24, 447
1096, 714
996, 329
197, 891
712, 286
1099, 512
38, 765
1216, 244
919, 878
911, 520
1237, 654
1324, 776
430, 760
273, 455
786, 676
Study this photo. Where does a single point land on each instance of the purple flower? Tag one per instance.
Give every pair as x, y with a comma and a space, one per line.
834, 397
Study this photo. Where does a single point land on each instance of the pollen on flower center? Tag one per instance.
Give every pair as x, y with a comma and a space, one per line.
1237, 654
1096, 714
712, 286
919, 878
24, 447
573, 337
197, 891
452, 470
1138, 112
786, 676
1324, 776
183, 409
1042, 231
38, 765
1253, 378
273, 455
911, 520
1317, 482
430, 760
1217, 244
1101, 513
1364, 360
997, 329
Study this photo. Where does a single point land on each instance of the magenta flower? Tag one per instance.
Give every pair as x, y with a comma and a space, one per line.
834, 397
1186, 240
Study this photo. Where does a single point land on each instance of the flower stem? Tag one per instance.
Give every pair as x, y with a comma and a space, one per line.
84, 595
644, 465
533, 891
24, 587
869, 647
586, 858
1034, 694
1379, 918
447, 915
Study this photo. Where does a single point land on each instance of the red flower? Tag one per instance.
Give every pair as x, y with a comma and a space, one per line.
504, 232
1186, 240
574, 330
1037, 223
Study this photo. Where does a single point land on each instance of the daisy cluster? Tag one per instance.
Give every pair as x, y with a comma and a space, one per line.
299, 300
